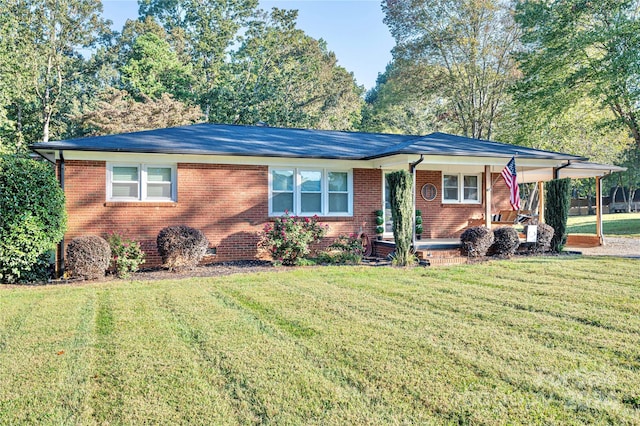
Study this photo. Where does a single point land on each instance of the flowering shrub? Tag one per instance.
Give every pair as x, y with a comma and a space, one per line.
344, 249
126, 255
287, 239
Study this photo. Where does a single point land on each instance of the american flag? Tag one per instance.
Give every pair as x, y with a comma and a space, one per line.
511, 178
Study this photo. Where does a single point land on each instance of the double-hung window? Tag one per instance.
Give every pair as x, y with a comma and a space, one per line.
461, 188
308, 191
141, 182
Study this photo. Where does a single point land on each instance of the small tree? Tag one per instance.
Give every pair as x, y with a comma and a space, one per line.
557, 211
400, 188
32, 218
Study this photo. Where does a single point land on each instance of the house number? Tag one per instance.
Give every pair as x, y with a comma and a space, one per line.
429, 191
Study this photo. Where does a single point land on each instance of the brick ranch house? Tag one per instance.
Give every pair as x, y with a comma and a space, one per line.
229, 180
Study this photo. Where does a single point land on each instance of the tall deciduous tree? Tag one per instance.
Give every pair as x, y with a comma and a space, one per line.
59, 28
462, 50
281, 76
153, 68
209, 28
393, 106
118, 112
578, 47
45, 40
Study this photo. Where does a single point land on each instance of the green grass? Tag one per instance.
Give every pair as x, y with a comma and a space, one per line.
614, 225
530, 341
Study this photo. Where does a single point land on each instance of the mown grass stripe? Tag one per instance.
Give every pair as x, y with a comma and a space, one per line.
389, 346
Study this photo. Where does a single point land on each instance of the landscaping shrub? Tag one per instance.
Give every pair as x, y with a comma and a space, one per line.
476, 241
556, 211
88, 257
543, 239
401, 198
126, 255
505, 242
346, 249
181, 246
289, 237
32, 218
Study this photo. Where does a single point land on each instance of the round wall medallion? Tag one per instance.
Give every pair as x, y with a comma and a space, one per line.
429, 191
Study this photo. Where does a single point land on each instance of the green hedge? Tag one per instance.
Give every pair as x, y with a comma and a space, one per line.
32, 218
558, 202
401, 191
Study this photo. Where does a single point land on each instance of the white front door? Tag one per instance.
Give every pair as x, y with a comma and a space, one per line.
388, 220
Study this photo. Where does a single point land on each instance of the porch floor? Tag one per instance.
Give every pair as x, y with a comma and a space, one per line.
429, 244
433, 251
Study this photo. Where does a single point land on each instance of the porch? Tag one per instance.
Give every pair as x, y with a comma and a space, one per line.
446, 251
434, 251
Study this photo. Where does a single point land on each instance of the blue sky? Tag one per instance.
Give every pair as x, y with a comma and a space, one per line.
352, 29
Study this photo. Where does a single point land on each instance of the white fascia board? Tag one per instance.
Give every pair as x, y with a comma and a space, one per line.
127, 157
49, 154
431, 162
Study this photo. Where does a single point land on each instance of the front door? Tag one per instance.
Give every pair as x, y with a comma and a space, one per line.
388, 220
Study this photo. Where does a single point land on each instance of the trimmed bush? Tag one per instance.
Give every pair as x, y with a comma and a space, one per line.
543, 239
505, 242
289, 237
181, 246
476, 241
401, 198
556, 211
32, 218
88, 257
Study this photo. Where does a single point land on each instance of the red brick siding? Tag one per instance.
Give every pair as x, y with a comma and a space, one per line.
448, 220
229, 203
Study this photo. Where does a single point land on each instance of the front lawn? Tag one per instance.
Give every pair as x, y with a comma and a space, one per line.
613, 225
551, 340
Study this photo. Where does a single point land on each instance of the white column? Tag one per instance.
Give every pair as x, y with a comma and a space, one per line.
599, 210
487, 196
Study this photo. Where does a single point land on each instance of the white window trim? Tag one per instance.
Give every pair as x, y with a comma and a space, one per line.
297, 192
460, 199
142, 183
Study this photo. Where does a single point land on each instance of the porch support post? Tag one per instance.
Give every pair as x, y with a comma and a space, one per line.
599, 210
487, 196
541, 202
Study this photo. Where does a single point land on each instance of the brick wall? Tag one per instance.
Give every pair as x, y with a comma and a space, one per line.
449, 220
229, 203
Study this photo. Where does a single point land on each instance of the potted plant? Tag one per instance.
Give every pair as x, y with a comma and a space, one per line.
419, 228
379, 223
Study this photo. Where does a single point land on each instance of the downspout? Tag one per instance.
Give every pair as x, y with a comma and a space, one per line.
412, 169
60, 248
556, 170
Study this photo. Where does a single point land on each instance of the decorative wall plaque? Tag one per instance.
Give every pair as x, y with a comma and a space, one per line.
429, 191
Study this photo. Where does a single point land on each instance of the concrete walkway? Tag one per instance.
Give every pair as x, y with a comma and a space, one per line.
623, 247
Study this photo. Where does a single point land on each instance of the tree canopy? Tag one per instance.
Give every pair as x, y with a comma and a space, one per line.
577, 48
64, 74
459, 51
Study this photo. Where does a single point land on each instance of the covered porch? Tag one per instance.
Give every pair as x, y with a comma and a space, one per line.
457, 183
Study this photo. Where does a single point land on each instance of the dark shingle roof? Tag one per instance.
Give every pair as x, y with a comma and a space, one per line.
446, 144
263, 141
